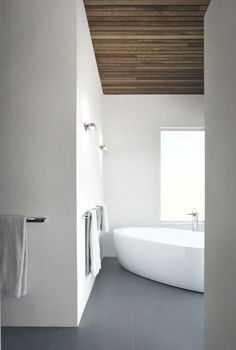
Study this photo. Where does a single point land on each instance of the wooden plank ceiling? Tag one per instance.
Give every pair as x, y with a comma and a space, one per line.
149, 46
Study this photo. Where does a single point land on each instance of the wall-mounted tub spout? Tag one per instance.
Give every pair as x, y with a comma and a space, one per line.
195, 216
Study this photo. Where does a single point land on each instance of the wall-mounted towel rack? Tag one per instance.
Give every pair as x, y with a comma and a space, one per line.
87, 216
88, 213
36, 219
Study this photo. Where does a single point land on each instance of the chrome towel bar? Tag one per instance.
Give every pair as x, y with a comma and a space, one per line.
38, 219
88, 213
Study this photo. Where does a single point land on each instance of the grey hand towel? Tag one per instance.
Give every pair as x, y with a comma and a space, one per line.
13, 256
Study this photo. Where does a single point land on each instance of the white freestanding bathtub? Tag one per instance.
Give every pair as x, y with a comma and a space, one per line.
171, 256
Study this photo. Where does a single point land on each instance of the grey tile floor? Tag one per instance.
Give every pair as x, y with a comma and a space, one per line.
125, 312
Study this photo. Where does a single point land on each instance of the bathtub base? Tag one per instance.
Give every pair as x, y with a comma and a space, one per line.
172, 264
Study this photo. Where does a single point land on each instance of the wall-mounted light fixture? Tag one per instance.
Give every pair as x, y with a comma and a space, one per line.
103, 147
90, 127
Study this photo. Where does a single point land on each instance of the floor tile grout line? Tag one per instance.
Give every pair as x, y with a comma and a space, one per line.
55, 339
194, 310
132, 322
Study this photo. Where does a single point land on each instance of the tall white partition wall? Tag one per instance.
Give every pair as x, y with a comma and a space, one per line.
220, 102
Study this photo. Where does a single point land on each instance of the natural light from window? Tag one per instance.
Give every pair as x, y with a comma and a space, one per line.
182, 174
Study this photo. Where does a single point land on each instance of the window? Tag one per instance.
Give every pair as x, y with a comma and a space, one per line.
182, 174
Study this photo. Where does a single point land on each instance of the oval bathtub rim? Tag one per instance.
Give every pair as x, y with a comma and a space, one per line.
118, 231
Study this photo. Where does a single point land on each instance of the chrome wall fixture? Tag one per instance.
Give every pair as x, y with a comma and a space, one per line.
103, 147
36, 219
93, 127
90, 127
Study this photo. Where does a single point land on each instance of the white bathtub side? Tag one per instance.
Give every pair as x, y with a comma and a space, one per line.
178, 266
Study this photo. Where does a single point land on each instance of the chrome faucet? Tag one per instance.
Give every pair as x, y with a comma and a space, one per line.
195, 216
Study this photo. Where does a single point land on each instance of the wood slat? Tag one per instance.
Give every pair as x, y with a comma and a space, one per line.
149, 59
146, 2
125, 36
189, 75
158, 54
149, 46
145, 48
152, 91
145, 28
145, 13
150, 41
149, 80
158, 19
152, 45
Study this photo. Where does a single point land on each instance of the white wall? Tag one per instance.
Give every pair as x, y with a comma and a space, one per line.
0, 105
132, 164
220, 284
89, 156
50, 87
38, 153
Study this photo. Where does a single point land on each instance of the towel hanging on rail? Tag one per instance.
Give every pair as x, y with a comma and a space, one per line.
13, 253
94, 245
13, 256
96, 221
